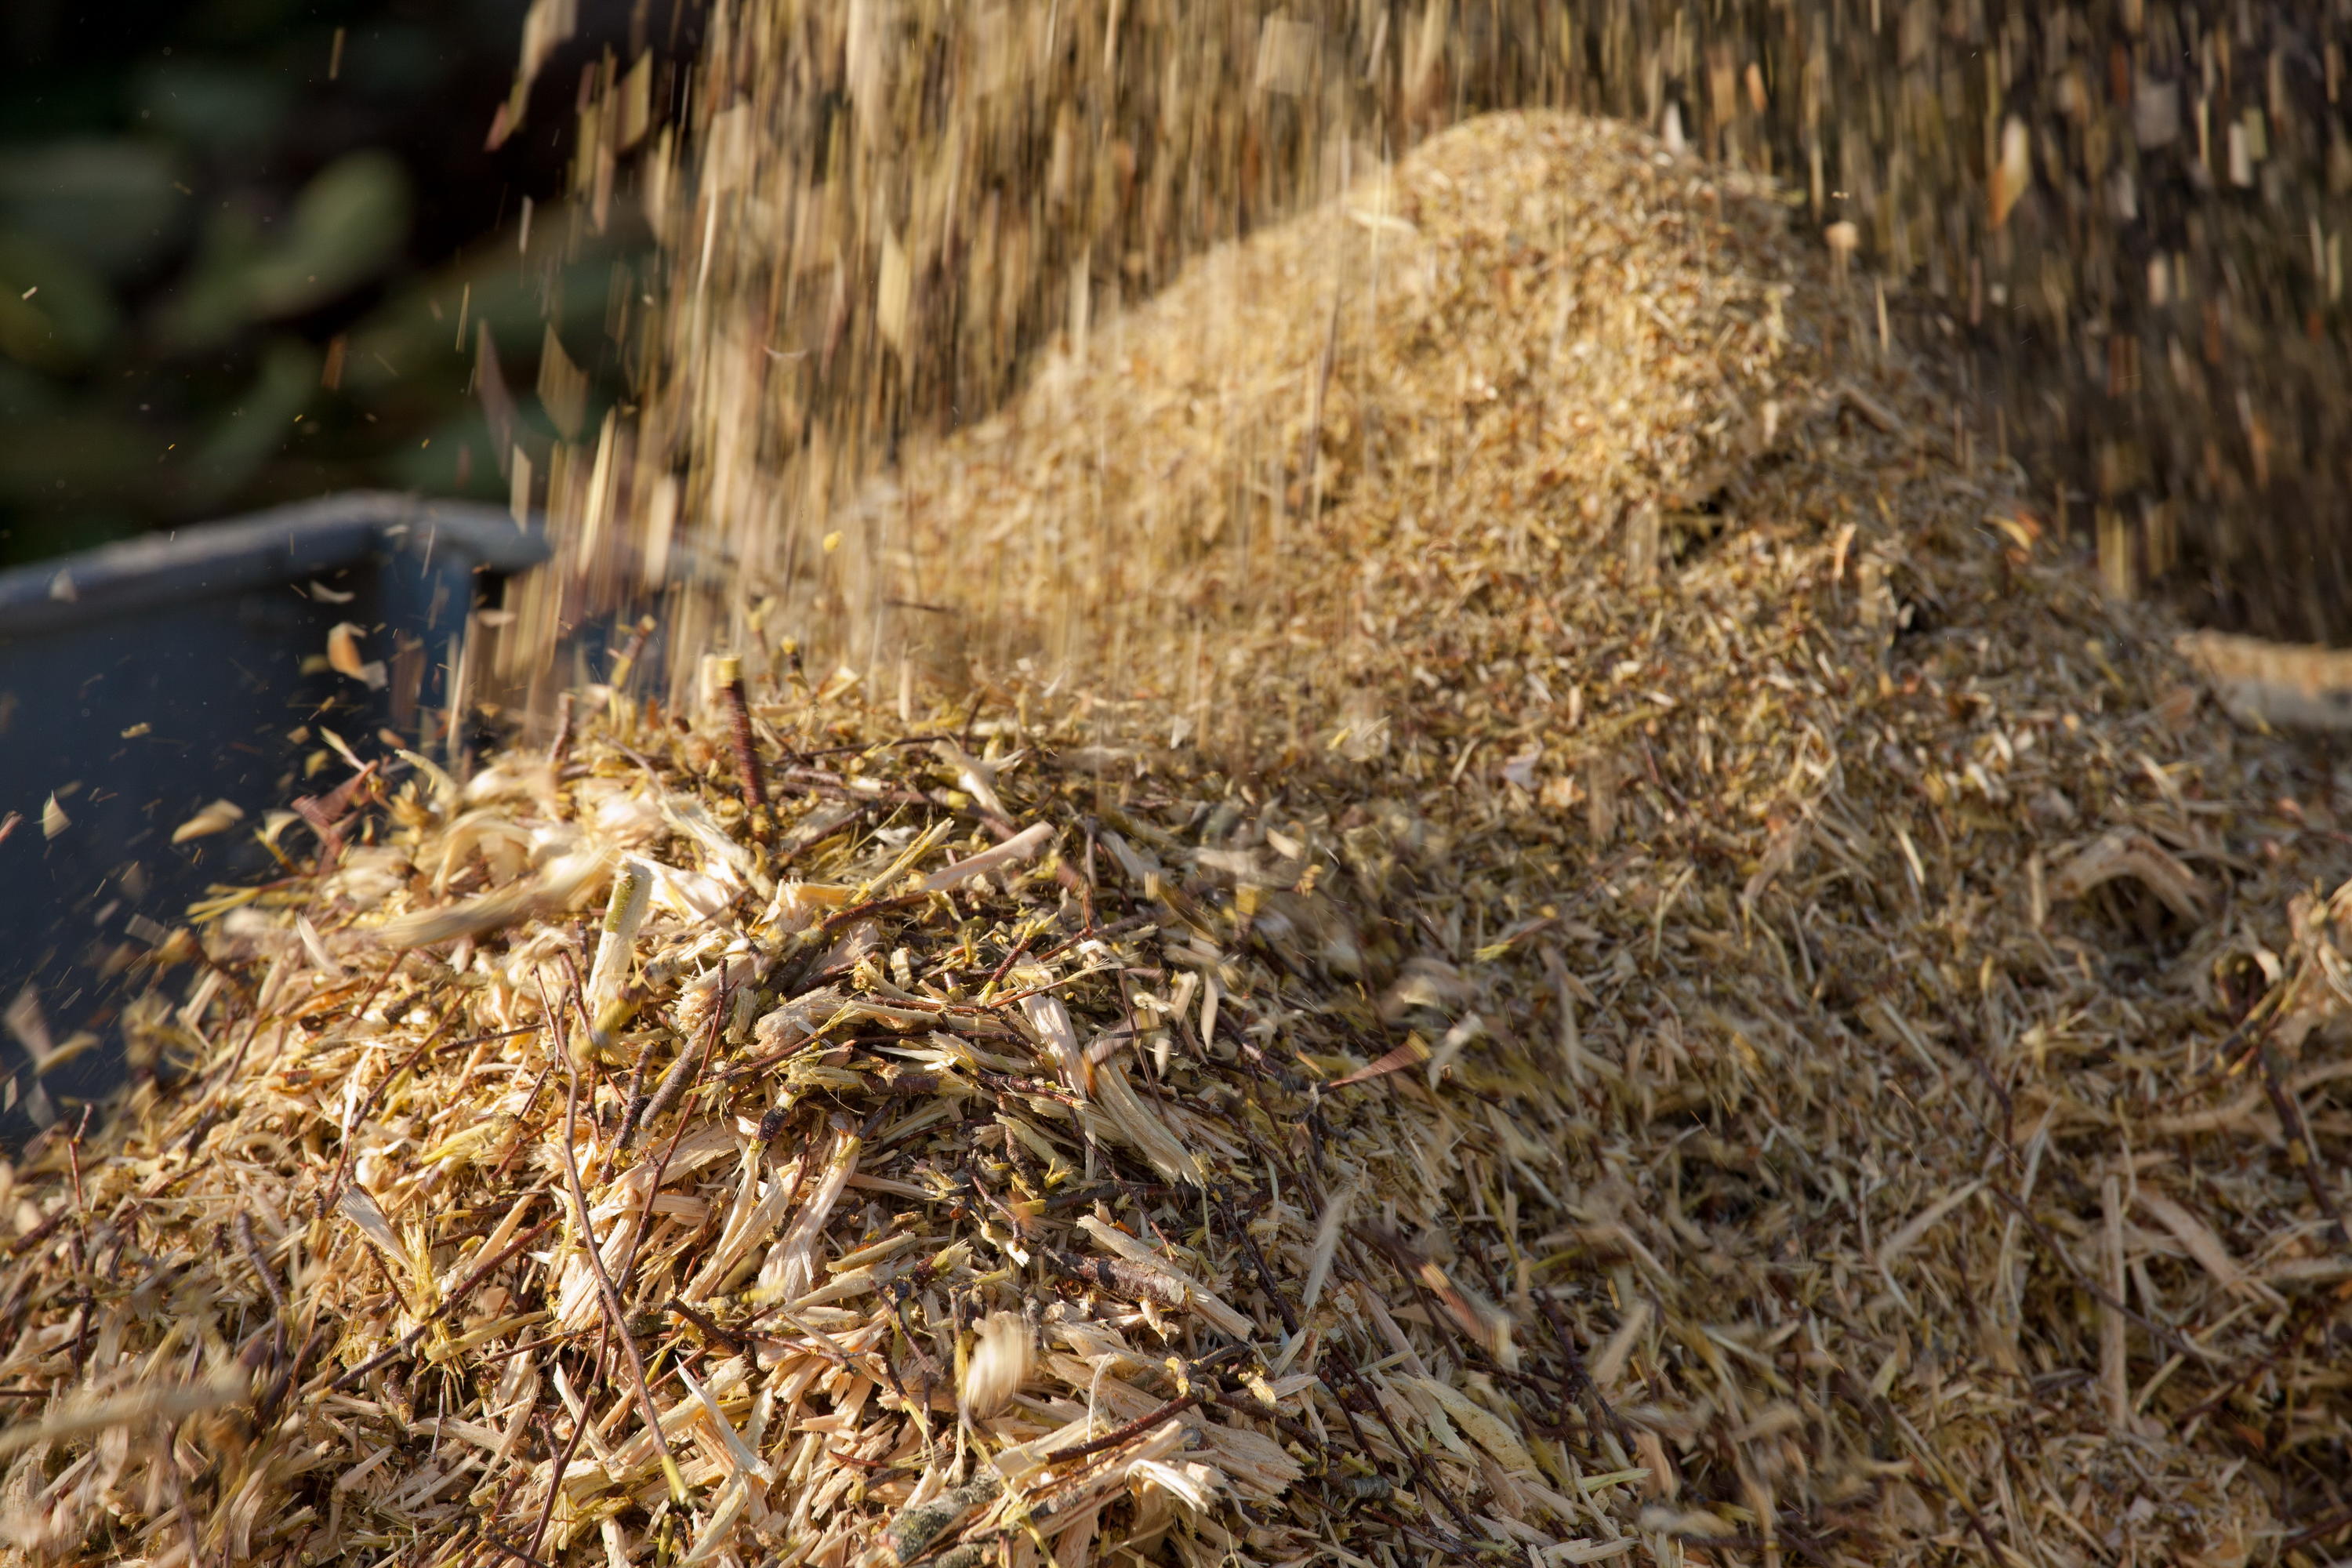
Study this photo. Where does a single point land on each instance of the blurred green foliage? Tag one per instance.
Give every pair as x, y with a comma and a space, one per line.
247, 247
343, 227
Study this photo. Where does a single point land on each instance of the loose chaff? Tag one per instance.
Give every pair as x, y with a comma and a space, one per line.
1612, 968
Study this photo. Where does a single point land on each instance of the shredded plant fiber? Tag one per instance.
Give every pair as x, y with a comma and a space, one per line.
1512, 914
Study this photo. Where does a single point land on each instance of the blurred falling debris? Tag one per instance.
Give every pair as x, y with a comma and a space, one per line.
2124, 224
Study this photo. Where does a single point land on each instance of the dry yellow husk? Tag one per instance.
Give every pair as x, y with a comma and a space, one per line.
1515, 915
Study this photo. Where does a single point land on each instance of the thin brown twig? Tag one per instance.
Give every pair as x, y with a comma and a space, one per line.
290, 1376
839, 918
506, 1495
517, 1552
2342, 1519
1347, 1366
562, 742
333, 1190
1132, 1430
680, 1077
2304, 1151
1576, 1367
39, 1234
746, 747
741, 1343
2310, 1312
635, 649
661, 1166
1011, 958
529, 1100
633, 1099
449, 1302
268, 1277
563, 1460
538, 1344
615, 1313
2165, 1336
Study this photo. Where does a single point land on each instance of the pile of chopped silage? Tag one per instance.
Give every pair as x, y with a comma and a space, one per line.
1646, 978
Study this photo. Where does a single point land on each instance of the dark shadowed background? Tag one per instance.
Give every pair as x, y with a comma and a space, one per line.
247, 247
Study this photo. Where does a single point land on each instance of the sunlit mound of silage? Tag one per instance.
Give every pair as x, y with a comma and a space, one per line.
1536, 339
1573, 946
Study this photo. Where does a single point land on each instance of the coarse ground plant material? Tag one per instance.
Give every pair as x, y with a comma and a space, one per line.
1723, 1005
1540, 345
